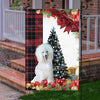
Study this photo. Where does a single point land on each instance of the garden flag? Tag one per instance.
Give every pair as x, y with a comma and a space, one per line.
52, 49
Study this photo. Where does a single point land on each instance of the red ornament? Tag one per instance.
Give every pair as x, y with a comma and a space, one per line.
58, 81
61, 81
76, 82
76, 17
64, 83
44, 83
33, 84
50, 83
55, 80
37, 83
48, 16
77, 86
53, 15
72, 16
71, 85
53, 85
64, 89
47, 11
47, 89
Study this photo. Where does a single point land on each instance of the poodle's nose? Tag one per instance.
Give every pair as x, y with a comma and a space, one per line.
46, 57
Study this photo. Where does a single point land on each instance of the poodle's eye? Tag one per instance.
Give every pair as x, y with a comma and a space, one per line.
43, 52
46, 51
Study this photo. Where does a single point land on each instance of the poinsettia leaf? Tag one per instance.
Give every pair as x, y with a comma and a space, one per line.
49, 14
49, 86
67, 11
52, 88
62, 26
42, 11
67, 29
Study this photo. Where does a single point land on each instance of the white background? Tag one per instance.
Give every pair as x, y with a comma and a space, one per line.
69, 44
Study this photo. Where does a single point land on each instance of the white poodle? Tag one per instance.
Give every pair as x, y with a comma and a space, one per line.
44, 69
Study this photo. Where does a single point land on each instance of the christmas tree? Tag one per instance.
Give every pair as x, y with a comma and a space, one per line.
59, 66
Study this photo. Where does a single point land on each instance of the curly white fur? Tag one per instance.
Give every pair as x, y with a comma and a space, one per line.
44, 70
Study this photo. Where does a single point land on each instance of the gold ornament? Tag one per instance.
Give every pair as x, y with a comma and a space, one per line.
37, 88
68, 80
41, 86
58, 87
33, 87
74, 88
38, 11
28, 85
74, 11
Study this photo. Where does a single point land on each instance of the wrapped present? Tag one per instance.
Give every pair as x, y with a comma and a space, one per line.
73, 77
71, 70
68, 80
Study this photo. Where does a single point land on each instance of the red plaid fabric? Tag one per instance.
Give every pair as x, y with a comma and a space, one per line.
34, 30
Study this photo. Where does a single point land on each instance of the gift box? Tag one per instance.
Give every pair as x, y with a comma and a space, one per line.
68, 80
71, 70
73, 77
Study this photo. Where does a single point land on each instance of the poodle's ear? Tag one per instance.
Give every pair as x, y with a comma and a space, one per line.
36, 51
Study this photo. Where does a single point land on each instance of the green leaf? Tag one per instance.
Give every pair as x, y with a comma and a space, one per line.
67, 11
16, 3
43, 88
49, 14
49, 86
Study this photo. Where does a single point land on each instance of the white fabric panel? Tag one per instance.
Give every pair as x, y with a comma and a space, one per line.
69, 44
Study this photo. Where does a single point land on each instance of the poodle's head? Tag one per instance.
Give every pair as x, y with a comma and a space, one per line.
44, 53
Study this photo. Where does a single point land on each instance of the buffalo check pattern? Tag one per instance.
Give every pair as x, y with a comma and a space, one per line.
34, 37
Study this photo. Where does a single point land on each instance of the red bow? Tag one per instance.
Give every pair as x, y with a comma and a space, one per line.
64, 21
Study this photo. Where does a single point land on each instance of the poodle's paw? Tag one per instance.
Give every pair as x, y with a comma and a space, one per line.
50, 80
33, 81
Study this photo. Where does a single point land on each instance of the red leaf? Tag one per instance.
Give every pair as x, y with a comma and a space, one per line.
67, 29
62, 26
